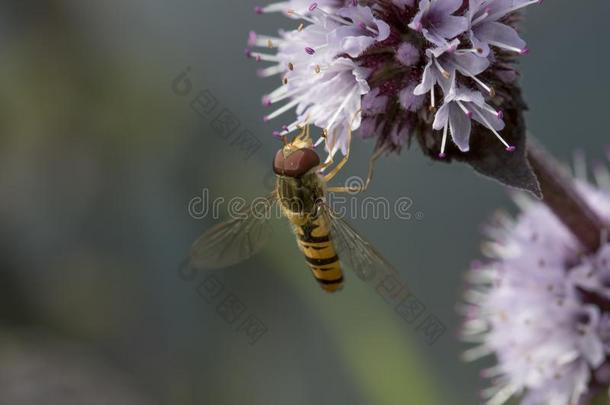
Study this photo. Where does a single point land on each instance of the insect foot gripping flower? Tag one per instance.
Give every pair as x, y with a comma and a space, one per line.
542, 307
442, 71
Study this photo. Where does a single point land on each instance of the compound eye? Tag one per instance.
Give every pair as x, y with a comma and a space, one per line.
296, 164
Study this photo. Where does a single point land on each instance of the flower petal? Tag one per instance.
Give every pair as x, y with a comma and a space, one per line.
460, 126
442, 117
500, 8
445, 6
479, 44
428, 80
355, 45
498, 34
451, 26
495, 122
471, 64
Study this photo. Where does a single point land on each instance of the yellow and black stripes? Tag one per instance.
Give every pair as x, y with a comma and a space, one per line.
299, 198
313, 239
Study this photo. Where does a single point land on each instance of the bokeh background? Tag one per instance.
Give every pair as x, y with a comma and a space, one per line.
99, 159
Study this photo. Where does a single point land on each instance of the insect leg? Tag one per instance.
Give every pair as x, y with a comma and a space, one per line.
329, 176
372, 161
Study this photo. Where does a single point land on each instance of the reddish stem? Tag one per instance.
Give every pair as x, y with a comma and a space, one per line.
561, 196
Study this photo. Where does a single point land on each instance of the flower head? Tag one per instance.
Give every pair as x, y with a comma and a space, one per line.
405, 67
542, 307
321, 77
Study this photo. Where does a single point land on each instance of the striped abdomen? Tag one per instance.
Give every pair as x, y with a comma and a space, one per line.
313, 238
299, 192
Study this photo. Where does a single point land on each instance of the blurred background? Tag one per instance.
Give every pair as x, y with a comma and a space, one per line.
100, 156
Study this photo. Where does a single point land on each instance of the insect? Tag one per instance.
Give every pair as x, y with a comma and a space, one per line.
325, 240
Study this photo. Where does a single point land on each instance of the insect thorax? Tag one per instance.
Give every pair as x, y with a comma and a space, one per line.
299, 196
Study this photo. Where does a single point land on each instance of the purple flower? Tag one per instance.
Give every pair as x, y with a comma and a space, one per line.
409, 101
319, 81
344, 49
436, 21
333, 103
541, 307
460, 106
442, 64
362, 31
486, 30
408, 54
373, 103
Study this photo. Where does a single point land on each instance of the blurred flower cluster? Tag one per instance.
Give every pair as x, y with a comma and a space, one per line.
393, 68
542, 306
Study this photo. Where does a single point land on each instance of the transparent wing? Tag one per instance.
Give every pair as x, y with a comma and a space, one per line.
235, 240
355, 251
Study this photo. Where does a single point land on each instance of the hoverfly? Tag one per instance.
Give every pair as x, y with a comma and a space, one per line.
300, 191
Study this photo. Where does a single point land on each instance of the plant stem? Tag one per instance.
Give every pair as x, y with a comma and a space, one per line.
562, 197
